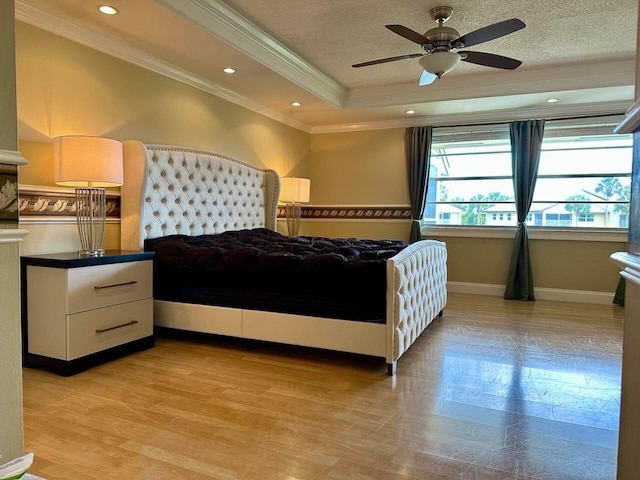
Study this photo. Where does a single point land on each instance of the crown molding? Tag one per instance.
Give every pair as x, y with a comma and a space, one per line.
546, 112
116, 48
226, 24
619, 73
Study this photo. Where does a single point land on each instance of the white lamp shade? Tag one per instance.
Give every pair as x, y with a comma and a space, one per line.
293, 189
439, 63
87, 161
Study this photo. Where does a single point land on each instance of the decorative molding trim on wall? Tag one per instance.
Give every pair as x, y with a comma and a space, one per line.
57, 220
555, 294
56, 202
9, 188
12, 157
342, 212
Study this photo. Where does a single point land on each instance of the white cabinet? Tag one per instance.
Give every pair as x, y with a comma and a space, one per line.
79, 311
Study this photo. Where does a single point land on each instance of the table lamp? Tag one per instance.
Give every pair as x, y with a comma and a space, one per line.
89, 164
294, 190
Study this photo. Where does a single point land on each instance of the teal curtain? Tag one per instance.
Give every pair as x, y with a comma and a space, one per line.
618, 298
417, 147
526, 143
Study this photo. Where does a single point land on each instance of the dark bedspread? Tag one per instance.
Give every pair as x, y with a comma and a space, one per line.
263, 270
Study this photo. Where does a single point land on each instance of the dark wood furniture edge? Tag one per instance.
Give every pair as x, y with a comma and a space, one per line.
74, 260
67, 368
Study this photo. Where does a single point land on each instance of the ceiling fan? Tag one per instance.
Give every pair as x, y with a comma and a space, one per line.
441, 46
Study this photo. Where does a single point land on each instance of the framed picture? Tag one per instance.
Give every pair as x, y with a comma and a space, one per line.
8, 195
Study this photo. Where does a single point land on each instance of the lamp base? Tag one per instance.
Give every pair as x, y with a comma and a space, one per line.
293, 211
91, 253
90, 216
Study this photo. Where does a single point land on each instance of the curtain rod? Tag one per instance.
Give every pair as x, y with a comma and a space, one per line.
491, 124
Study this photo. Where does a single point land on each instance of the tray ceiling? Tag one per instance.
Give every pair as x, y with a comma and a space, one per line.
582, 53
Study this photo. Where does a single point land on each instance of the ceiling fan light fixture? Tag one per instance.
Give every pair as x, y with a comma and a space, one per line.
439, 63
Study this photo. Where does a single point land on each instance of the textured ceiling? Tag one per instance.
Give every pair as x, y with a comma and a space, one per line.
581, 51
333, 35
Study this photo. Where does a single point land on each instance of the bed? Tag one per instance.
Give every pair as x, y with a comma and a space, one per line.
170, 190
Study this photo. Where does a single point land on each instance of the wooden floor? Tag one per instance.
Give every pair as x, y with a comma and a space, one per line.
493, 390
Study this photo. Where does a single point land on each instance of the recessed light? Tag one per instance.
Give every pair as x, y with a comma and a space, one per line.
107, 9
552, 100
229, 70
410, 112
295, 104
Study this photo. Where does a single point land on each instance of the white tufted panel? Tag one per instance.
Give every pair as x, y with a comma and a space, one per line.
193, 192
416, 293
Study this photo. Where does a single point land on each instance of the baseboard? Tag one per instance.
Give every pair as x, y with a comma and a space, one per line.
555, 294
476, 288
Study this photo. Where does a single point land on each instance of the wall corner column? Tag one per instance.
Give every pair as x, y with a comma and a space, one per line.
11, 429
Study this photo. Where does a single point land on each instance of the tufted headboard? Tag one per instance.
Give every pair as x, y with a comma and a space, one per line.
175, 190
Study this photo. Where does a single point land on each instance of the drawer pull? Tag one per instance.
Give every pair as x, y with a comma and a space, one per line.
102, 330
100, 287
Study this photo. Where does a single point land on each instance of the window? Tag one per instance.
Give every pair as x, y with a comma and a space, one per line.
584, 176
445, 218
471, 175
558, 219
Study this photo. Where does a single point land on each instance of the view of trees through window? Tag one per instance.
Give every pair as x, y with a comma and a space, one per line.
583, 181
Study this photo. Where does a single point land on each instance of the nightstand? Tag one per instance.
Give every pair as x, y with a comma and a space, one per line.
80, 311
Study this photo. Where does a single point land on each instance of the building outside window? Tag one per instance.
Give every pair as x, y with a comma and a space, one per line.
583, 176
586, 217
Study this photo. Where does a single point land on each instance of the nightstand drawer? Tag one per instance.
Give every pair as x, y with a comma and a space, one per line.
106, 285
97, 330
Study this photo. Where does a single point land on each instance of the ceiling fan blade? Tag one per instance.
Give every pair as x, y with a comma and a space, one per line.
426, 78
491, 32
385, 60
408, 34
490, 60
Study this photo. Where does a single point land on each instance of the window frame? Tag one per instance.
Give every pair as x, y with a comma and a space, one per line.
607, 234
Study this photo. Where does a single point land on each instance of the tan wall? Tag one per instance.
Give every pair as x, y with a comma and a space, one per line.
360, 168
556, 264
64, 88
10, 339
368, 168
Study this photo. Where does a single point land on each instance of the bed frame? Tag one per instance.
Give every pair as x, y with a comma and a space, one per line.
175, 190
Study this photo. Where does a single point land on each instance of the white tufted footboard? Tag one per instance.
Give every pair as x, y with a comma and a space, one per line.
416, 294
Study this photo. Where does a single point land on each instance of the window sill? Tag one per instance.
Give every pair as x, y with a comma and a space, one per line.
583, 235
